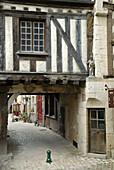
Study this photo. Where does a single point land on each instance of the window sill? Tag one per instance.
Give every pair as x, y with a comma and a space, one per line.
52, 117
32, 54
47, 115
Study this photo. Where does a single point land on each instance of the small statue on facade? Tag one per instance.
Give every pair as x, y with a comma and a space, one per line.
91, 66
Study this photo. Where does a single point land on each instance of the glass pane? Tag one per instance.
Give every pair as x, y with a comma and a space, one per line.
41, 31
28, 36
41, 37
23, 36
41, 49
28, 48
28, 24
35, 36
28, 42
100, 124
101, 114
93, 114
41, 42
41, 25
35, 48
35, 42
23, 48
35, 24
23, 24
23, 42
23, 30
94, 124
35, 30
28, 30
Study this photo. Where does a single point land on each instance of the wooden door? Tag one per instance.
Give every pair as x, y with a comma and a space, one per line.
97, 131
39, 113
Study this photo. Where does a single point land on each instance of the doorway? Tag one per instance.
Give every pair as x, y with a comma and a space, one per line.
97, 131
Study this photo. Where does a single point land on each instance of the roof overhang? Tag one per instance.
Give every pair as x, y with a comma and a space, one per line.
73, 3
11, 78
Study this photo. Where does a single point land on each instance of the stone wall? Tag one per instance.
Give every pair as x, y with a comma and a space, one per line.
51, 123
97, 97
75, 118
100, 40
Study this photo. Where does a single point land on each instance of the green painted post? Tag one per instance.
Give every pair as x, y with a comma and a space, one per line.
48, 160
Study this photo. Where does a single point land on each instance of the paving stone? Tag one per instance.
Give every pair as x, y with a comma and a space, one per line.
29, 145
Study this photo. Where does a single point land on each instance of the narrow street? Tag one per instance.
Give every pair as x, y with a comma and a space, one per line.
29, 145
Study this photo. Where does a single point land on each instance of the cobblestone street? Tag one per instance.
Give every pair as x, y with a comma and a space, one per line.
29, 145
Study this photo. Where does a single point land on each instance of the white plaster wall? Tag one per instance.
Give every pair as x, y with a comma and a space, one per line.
43, 9
24, 66
95, 89
84, 41
20, 7
100, 46
9, 43
53, 48
73, 41
40, 66
99, 5
64, 49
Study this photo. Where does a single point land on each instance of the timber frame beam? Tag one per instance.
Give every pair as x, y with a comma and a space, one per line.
16, 78
55, 3
73, 52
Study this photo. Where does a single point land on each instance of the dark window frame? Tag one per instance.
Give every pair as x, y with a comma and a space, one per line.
32, 20
51, 112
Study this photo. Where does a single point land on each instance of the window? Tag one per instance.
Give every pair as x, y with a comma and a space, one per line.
32, 36
46, 105
97, 119
51, 105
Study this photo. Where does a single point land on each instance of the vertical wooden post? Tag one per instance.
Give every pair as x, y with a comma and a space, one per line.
3, 123
109, 40
90, 19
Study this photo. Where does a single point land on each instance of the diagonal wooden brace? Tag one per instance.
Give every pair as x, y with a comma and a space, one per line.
69, 44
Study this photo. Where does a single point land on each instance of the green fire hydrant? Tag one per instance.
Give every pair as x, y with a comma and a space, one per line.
48, 160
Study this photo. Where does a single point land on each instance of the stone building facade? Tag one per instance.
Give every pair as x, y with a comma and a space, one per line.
63, 50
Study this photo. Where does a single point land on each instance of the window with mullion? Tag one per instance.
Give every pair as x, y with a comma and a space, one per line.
32, 36
26, 36
38, 36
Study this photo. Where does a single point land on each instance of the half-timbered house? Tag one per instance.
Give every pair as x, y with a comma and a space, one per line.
62, 49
